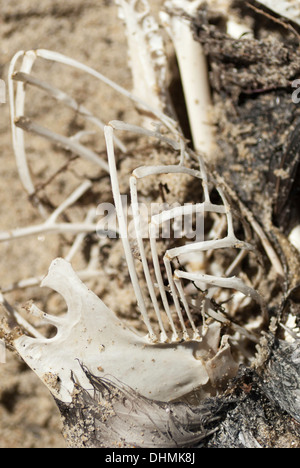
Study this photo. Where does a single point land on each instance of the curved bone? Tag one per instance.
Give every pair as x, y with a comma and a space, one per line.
91, 334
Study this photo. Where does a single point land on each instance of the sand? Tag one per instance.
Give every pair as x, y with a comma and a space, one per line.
89, 31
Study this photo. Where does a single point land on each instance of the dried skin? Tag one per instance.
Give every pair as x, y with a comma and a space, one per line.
254, 412
84, 419
257, 121
255, 115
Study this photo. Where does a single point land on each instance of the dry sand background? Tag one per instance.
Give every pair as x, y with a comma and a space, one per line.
89, 31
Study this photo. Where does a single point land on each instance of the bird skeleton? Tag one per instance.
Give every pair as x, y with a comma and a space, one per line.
177, 356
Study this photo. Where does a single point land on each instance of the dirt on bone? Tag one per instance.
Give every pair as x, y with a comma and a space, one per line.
255, 118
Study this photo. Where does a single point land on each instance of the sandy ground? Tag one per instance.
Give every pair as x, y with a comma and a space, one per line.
89, 31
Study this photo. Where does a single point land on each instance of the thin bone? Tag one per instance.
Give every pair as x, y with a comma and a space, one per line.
67, 143
17, 107
63, 97
168, 268
160, 282
184, 210
50, 225
219, 317
273, 257
119, 125
202, 246
80, 238
238, 259
230, 241
217, 231
230, 229
73, 198
155, 221
196, 335
58, 228
145, 171
84, 275
136, 217
108, 132
232, 283
60, 58
14, 314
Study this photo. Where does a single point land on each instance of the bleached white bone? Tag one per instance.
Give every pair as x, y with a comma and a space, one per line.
13, 313
147, 57
17, 108
17, 95
67, 100
70, 144
233, 283
294, 237
235, 27
156, 220
63, 59
91, 334
229, 241
51, 225
289, 9
193, 70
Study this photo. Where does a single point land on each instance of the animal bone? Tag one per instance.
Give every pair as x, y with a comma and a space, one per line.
289, 9
91, 334
178, 359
